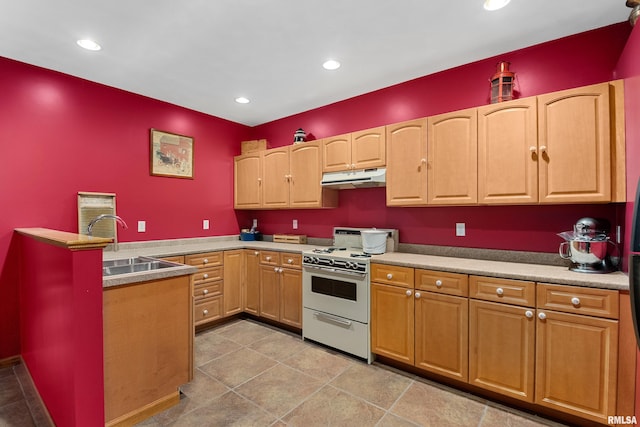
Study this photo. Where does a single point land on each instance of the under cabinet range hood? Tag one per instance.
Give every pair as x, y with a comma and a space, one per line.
364, 178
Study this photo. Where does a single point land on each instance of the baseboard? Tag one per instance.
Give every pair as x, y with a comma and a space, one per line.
10, 361
146, 411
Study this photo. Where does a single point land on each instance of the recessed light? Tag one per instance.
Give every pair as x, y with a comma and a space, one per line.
89, 44
331, 64
242, 100
495, 4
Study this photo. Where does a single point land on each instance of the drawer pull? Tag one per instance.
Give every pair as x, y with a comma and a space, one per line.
205, 276
575, 301
542, 316
439, 283
256, 253
417, 295
389, 276
528, 314
409, 292
205, 291
500, 291
205, 261
268, 258
275, 269
290, 261
205, 312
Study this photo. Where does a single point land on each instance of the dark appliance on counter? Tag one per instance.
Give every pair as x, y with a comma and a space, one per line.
634, 265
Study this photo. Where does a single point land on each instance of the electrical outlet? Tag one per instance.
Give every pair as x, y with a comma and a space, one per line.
142, 226
295, 224
205, 224
255, 223
461, 229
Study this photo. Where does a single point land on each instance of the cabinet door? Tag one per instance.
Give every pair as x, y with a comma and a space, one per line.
252, 282
275, 182
406, 163
247, 181
441, 341
336, 153
501, 348
291, 297
452, 158
269, 293
233, 283
508, 152
575, 145
392, 323
305, 165
576, 364
368, 148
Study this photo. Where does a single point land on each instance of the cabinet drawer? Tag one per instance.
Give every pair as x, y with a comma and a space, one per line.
210, 274
207, 310
291, 260
179, 259
207, 289
392, 275
443, 283
269, 258
575, 299
517, 292
207, 259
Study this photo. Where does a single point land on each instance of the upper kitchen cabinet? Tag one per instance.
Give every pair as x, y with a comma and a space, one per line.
305, 174
452, 158
248, 180
407, 163
507, 152
574, 145
276, 178
358, 150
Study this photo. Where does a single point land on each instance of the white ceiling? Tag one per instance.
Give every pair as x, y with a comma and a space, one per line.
202, 54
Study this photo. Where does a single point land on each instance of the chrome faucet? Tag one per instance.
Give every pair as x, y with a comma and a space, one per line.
107, 216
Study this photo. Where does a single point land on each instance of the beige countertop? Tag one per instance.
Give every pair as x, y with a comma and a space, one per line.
512, 270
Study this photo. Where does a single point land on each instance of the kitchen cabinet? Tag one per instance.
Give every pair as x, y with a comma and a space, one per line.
358, 150
247, 172
407, 163
281, 287
576, 350
507, 152
452, 151
207, 286
232, 282
251, 289
275, 178
502, 336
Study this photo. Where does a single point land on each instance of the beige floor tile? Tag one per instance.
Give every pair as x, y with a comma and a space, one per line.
278, 346
431, 406
378, 386
499, 417
280, 389
10, 391
237, 367
390, 420
319, 363
16, 414
211, 346
246, 332
333, 407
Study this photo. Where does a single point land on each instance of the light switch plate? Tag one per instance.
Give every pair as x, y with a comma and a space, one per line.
255, 223
295, 224
142, 226
460, 229
205, 224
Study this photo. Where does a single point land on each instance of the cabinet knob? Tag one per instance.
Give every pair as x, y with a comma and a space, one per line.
543, 148
280, 270
417, 295
289, 261
500, 291
389, 276
575, 301
409, 292
256, 253
275, 269
528, 314
205, 312
533, 149
205, 276
205, 291
206, 260
268, 258
353, 165
259, 179
439, 283
542, 316
423, 161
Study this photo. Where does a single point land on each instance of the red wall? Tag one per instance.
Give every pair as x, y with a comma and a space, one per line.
61, 135
578, 60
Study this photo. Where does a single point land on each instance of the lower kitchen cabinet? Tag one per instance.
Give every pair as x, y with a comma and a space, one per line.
232, 282
207, 286
251, 288
392, 325
281, 287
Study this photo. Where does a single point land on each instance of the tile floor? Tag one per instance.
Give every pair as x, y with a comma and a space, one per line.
250, 374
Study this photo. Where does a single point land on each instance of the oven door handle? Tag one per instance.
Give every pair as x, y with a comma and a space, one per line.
333, 270
332, 319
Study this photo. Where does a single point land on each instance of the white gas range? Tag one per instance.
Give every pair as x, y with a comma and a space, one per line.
335, 292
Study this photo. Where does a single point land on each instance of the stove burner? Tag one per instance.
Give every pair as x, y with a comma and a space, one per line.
360, 255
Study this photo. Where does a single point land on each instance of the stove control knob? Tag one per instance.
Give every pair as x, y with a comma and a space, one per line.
331, 261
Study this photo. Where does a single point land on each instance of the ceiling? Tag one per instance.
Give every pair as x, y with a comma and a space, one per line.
202, 54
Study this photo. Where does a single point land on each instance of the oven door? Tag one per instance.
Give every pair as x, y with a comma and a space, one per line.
344, 294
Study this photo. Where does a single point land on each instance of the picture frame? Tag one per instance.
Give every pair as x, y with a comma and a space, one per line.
171, 154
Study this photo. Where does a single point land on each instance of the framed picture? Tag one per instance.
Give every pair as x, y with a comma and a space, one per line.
171, 155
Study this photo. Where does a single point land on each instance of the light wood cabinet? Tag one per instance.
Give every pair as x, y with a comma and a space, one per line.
507, 152
452, 150
281, 287
251, 289
208, 286
233, 282
502, 336
305, 174
275, 178
358, 150
574, 145
247, 172
392, 322
407, 163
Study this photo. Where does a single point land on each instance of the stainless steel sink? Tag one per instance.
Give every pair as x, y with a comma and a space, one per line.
134, 265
